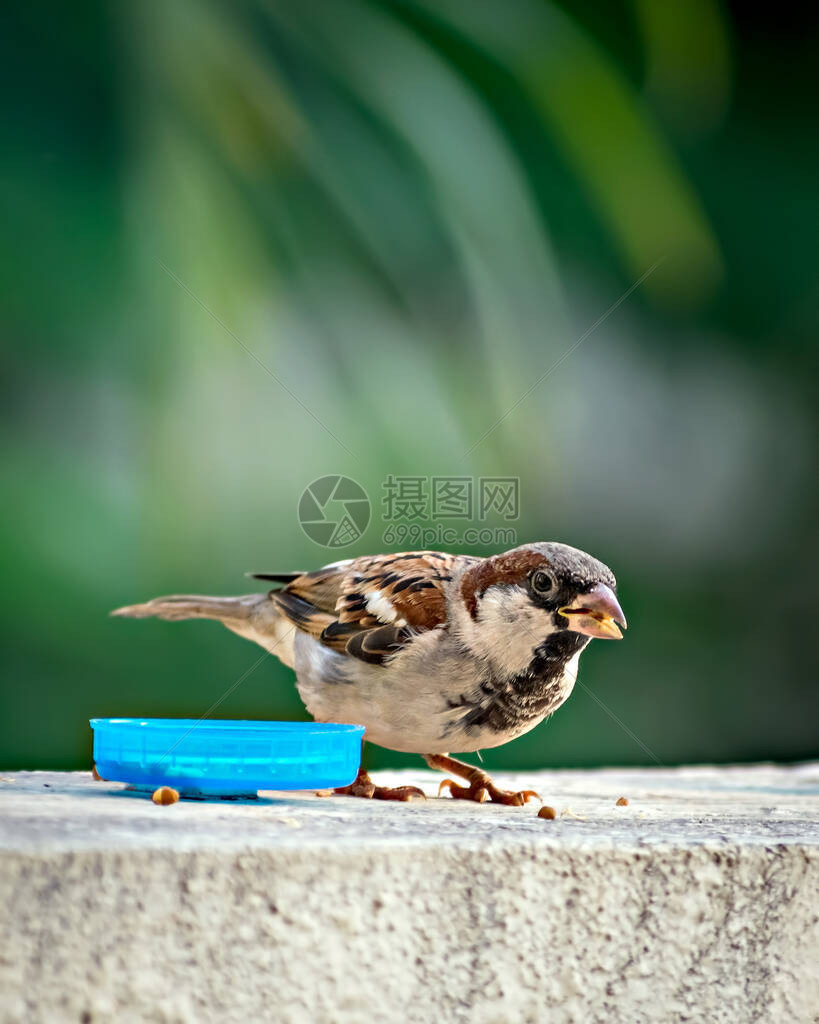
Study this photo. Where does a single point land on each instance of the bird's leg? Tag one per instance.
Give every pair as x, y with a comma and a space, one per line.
480, 788
365, 787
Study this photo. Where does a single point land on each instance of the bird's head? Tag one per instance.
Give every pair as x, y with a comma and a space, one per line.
516, 600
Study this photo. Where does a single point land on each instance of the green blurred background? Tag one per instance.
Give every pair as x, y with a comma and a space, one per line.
408, 213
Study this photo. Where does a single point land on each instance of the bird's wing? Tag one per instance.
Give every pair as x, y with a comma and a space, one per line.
370, 607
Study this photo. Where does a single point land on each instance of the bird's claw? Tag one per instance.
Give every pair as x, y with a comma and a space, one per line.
402, 793
478, 794
528, 794
366, 788
483, 789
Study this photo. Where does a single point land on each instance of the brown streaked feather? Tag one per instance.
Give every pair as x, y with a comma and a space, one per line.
412, 582
376, 645
338, 634
301, 613
331, 603
321, 588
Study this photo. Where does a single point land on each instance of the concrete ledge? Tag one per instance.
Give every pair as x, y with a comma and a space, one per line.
698, 901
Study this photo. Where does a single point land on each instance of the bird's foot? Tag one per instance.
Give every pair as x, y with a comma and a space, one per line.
365, 787
481, 788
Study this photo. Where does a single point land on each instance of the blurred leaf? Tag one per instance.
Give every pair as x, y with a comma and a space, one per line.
688, 57
608, 137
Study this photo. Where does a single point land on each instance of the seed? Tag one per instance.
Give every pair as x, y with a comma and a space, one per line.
165, 795
621, 802
547, 812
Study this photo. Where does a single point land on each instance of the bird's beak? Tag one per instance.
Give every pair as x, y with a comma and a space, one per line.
596, 613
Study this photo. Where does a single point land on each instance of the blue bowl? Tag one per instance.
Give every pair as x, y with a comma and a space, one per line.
226, 758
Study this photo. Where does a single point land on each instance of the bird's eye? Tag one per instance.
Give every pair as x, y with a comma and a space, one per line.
542, 582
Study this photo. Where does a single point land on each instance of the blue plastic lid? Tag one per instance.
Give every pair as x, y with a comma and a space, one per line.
226, 757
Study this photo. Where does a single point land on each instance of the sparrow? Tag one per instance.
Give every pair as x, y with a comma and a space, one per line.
430, 652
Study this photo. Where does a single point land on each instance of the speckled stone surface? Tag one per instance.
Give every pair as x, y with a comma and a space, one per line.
699, 901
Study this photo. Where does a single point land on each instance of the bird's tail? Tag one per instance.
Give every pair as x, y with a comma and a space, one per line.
176, 607
253, 616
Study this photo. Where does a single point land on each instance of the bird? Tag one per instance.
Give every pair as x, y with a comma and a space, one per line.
433, 653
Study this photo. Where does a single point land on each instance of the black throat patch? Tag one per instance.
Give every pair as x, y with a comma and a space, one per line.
511, 705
